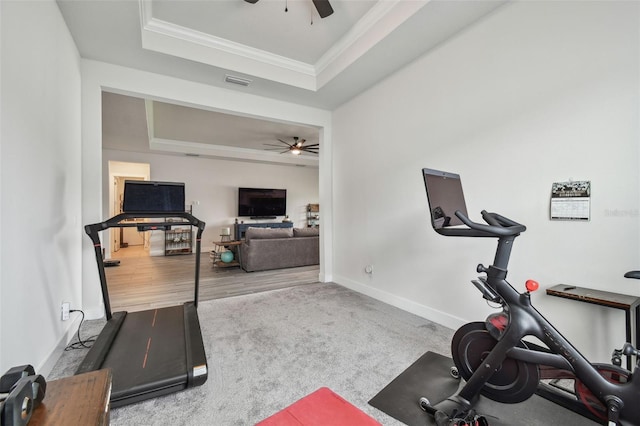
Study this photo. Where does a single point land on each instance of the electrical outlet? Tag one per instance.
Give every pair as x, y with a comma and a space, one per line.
66, 307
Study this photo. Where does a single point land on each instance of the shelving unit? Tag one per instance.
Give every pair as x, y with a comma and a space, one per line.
313, 215
178, 241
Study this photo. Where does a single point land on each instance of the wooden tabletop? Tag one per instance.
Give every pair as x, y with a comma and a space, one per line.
598, 297
77, 400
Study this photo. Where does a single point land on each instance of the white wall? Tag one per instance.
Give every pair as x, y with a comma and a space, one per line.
40, 227
214, 184
535, 93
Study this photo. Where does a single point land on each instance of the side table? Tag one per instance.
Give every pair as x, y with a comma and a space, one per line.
233, 246
629, 304
77, 400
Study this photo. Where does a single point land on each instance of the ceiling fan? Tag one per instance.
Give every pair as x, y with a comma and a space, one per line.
295, 148
322, 6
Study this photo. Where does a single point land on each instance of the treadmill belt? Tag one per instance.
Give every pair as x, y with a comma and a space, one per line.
148, 354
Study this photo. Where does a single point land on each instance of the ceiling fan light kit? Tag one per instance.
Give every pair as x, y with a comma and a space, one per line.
295, 148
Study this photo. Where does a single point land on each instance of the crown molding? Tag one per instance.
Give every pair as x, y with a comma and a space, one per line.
373, 27
171, 39
355, 33
219, 151
166, 37
229, 152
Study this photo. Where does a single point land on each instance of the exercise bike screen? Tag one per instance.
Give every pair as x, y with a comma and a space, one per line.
445, 196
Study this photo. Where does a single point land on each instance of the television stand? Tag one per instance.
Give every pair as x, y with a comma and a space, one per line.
240, 228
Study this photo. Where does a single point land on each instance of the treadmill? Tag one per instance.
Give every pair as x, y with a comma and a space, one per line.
158, 351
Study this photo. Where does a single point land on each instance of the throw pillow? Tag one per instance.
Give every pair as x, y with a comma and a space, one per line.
306, 232
267, 233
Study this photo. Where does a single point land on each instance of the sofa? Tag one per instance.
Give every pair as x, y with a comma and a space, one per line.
275, 248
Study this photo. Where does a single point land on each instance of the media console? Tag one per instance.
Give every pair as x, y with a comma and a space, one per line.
241, 228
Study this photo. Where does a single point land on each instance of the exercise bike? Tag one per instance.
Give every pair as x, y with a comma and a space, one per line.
491, 356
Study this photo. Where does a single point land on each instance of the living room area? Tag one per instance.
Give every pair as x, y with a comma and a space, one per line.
211, 181
215, 188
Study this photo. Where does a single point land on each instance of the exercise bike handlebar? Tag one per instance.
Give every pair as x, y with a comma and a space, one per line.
497, 226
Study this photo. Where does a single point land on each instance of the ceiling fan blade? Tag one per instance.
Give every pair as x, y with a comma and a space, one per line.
286, 143
251, 1
312, 145
322, 6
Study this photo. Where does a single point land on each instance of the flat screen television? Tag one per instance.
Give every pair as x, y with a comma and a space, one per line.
142, 196
262, 202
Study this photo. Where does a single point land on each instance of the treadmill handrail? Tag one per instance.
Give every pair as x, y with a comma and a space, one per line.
115, 221
93, 230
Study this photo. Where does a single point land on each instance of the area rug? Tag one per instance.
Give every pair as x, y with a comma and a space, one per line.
429, 377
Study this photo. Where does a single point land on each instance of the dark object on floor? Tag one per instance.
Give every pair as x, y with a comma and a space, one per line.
322, 407
153, 352
429, 377
111, 262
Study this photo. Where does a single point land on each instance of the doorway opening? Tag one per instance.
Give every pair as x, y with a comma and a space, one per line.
126, 242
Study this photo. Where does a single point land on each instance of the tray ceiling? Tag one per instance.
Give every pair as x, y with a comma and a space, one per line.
293, 56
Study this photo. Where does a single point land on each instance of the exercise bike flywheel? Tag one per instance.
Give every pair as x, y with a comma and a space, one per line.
515, 381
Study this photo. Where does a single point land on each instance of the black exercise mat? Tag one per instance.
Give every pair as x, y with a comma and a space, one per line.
429, 377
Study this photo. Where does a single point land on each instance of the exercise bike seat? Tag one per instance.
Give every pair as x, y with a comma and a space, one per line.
632, 274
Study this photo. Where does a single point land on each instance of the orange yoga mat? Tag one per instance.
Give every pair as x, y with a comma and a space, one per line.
321, 408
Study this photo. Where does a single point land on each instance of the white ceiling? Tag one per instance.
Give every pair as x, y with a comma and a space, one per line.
176, 129
294, 56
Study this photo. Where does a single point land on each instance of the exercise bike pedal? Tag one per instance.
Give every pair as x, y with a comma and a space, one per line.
627, 350
454, 372
472, 419
426, 406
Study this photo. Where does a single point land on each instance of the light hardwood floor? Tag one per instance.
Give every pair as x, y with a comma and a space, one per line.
143, 282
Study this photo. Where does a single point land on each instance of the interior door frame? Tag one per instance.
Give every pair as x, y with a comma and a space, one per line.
120, 171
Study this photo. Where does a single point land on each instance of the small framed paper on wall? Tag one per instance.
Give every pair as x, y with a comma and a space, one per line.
571, 200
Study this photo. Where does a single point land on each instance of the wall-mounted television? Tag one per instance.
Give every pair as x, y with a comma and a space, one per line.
262, 202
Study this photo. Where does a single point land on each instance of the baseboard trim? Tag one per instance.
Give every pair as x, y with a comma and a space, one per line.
410, 306
47, 366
